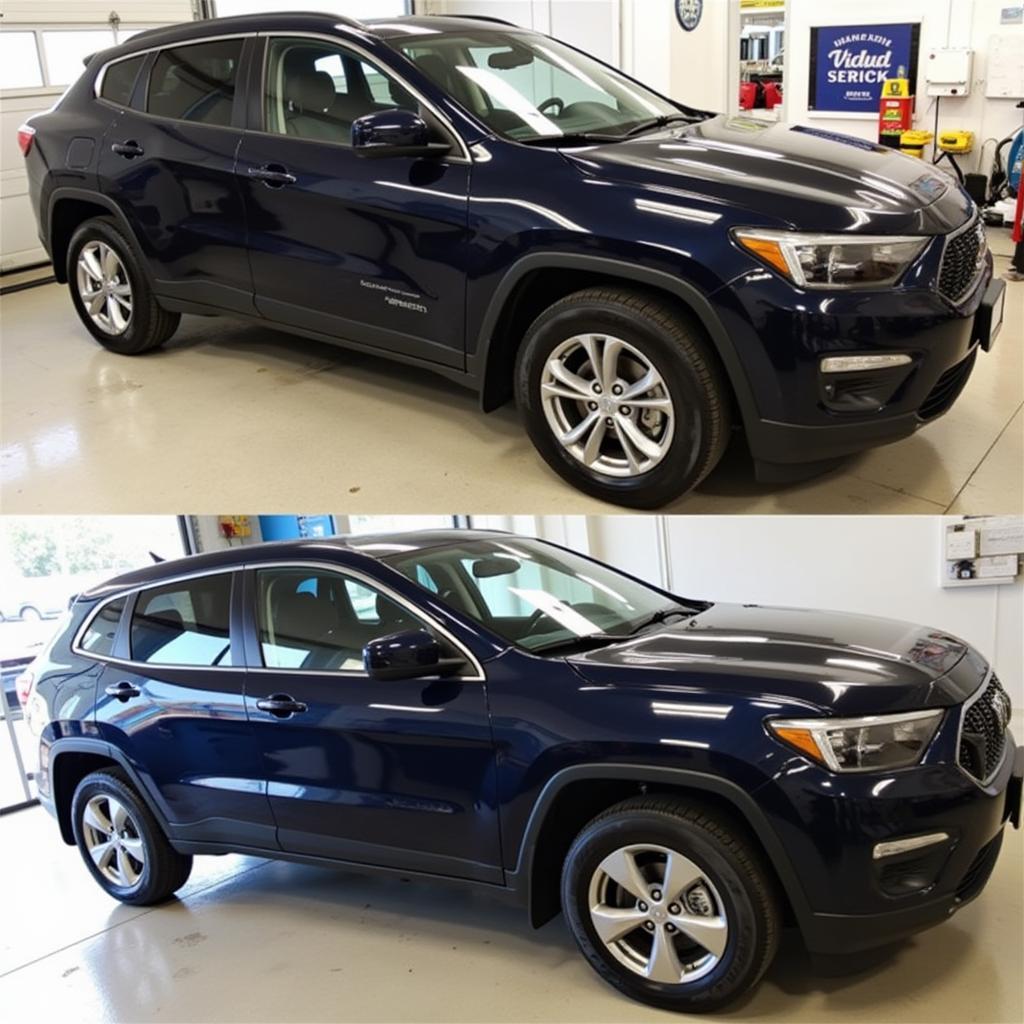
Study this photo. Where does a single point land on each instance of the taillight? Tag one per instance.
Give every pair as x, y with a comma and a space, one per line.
26, 133
23, 686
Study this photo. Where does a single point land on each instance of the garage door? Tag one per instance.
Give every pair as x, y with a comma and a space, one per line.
42, 44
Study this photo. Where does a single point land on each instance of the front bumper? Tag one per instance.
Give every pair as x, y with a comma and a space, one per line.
781, 334
856, 901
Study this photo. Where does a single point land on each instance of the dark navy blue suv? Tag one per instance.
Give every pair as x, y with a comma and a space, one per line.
681, 778
489, 203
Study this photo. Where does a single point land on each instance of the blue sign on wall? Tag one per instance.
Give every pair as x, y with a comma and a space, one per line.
849, 63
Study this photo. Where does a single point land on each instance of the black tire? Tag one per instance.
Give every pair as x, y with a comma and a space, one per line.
164, 870
149, 326
735, 870
679, 350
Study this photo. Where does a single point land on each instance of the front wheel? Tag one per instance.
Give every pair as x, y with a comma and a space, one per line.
111, 293
669, 905
121, 842
622, 396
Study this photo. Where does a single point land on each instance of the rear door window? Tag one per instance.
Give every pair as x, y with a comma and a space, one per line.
195, 83
184, 623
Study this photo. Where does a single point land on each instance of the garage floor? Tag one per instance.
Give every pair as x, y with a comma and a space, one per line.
253, 939
236, 416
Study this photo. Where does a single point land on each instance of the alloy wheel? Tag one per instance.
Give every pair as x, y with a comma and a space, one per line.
658, 914
113, 841
104, 288
607, 405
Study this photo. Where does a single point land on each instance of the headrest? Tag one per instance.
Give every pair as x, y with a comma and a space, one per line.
301, 617
436, 69
309, 90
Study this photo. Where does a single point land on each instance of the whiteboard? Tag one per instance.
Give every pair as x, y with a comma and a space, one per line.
1005, 75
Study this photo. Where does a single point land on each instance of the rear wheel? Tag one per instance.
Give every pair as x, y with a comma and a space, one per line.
121, 842
110, 292
670, 906
622, 396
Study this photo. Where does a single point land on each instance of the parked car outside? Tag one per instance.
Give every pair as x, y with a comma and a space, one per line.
681, 778
494, 205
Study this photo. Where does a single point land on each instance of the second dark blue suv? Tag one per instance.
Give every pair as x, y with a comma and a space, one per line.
488, 203
681, 778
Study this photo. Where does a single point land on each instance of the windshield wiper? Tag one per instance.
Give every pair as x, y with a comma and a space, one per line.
655, 122
661, 615
573, 642
571, 139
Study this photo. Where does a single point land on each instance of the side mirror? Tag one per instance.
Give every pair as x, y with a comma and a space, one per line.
394, 133
408, 655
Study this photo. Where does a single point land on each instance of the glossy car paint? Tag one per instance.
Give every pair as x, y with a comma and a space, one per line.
456, 777
459, 243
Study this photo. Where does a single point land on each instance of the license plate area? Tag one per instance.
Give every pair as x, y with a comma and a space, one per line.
989, 319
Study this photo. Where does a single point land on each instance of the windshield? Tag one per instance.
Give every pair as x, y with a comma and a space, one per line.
528, 87
535, 595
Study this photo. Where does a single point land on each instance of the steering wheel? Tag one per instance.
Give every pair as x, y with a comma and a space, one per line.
553, 101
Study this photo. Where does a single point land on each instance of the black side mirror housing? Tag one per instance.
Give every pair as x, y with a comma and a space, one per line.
394, 133
413, 654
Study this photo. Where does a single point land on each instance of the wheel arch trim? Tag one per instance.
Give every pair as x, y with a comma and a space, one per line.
607, 267
96, 199
739, 799
87, 745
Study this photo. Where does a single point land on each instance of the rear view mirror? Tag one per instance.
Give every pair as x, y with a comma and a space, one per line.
513, 57
411, 654
495, 565
394, 133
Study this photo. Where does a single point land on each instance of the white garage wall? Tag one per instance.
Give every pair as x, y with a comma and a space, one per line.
875, 565
19, 244
592, 25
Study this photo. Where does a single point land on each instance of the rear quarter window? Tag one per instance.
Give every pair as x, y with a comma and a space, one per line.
119, 80
99, 638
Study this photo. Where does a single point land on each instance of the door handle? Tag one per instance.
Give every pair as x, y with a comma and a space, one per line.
129, 150
272, 175
123, 690
280, 705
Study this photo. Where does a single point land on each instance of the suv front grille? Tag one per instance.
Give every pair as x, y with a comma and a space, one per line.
962, 260
947, 389
983, 731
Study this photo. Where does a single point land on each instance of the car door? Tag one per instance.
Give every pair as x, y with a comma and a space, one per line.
370, 250
400, 773
168, 161
172, 700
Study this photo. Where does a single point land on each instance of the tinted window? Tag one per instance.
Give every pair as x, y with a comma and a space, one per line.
184, 623
99, 637
119, 80
195, 83
316, 90
321, 620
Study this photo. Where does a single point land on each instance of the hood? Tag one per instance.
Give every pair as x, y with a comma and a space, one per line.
802, 177
836, 662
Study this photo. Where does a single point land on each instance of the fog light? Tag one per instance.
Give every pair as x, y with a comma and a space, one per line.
906, 845
849, 364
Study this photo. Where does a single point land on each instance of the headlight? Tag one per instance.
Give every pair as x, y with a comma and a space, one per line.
833, 261
874, 743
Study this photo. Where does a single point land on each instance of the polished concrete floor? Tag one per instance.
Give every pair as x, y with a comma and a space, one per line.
258, 940
238, 417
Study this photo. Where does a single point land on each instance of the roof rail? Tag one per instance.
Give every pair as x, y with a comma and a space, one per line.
483, 17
